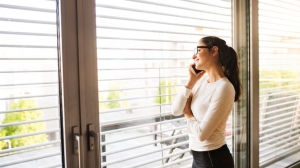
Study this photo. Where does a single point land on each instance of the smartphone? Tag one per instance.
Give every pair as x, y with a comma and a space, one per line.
194, 70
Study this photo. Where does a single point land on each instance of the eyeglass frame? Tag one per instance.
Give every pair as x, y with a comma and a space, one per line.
195, 53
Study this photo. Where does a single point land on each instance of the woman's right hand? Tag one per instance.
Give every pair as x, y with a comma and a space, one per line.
193, 78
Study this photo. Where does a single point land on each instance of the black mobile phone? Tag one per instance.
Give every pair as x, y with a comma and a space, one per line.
194, 70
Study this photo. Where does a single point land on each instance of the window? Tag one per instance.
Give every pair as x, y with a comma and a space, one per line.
143, 49
279, 82
29, 101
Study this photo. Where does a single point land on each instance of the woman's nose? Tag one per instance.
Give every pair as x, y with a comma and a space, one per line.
194, 57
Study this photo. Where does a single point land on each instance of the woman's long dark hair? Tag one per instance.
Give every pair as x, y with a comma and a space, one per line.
229, 60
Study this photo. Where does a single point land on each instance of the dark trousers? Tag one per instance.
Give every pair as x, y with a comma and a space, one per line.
215, 158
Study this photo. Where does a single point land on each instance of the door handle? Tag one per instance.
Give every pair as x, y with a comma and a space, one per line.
78, 146
94, 144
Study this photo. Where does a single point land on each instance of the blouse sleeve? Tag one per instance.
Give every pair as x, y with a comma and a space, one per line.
179, 102
220, 106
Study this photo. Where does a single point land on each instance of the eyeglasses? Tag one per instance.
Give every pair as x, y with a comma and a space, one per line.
196, 49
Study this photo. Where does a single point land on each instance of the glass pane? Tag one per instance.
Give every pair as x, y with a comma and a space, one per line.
29, 97
279, 82
144, 50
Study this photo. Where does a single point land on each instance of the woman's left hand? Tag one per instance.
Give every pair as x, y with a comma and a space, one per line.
187, 111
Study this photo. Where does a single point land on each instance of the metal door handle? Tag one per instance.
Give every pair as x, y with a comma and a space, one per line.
80, 151
78, 146
94, 144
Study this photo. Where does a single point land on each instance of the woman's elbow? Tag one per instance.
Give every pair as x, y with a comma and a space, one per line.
176, 112
202, 138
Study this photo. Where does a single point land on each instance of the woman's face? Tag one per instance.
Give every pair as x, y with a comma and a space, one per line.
203, 58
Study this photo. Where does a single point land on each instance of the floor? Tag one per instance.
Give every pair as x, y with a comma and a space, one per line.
286, 162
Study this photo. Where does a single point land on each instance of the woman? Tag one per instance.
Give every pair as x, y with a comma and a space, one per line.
207, 100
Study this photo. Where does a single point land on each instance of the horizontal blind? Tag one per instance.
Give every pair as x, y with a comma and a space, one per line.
29, 109
144, 48
279, 81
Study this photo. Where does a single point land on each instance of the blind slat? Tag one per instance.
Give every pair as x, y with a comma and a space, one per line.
29, 134
159, 158
143, 144
156, 77
279, 137
158, 22
29, 96
28, 122
275, 5
143, 154
140, 126
114, 122
279, 93
134, 98
27, 33
27, 21
30, 159
31, 71
155, 31
29, 147
270, 148
136, 39
274, 128
131, 108
280, 109
278, 132
137, 88
27, 109
172, 6
279, 120
25, 84
153, 12
27, 8
147, 134
52, 165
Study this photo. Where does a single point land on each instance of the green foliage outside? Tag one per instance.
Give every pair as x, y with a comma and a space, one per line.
166, 88
24, 128
270, 79
112, 95
102, 106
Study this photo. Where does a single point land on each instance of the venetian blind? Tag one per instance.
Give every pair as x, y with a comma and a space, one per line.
29, 100
144, 49
279, 80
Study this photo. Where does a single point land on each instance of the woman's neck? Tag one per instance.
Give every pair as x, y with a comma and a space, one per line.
214, 74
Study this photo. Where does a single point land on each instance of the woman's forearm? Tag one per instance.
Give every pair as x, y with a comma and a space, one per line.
179, 102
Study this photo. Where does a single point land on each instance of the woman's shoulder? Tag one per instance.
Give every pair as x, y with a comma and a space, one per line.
226, 85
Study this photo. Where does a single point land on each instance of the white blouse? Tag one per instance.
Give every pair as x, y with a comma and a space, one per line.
211, 106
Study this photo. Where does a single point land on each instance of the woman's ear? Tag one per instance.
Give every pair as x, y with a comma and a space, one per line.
214, 51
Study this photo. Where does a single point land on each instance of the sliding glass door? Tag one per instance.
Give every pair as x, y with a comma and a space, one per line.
144, 48
279, 83
30, 118
46, 86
